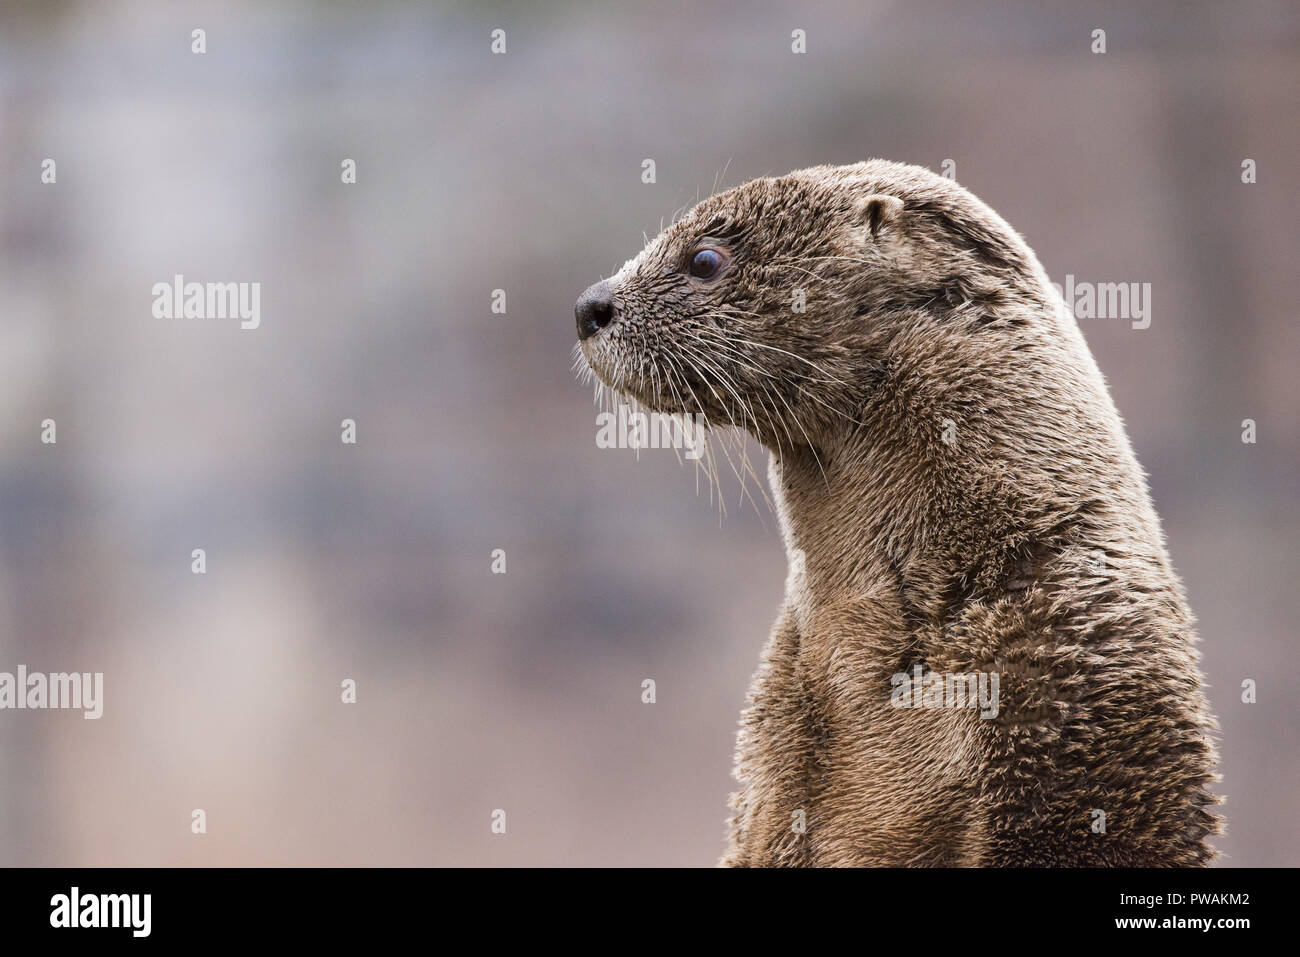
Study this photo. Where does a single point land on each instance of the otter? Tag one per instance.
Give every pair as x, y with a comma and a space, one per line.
960, 506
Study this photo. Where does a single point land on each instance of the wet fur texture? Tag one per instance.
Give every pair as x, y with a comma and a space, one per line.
955, 489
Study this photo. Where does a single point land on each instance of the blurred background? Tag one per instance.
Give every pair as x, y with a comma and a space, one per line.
522, 172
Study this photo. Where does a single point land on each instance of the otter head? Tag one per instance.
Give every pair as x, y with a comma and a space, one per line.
773, 306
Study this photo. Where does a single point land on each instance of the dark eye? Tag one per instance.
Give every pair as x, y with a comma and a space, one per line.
706, 263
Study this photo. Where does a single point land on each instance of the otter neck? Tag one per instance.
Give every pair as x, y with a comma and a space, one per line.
907, 505
845, 525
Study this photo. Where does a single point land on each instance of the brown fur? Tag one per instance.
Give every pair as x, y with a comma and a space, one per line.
1027, 545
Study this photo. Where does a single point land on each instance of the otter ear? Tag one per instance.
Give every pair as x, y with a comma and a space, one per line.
878, 211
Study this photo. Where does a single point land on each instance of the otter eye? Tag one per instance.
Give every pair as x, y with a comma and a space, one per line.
706, 263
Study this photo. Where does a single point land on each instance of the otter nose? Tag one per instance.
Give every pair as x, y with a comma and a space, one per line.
595, 309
